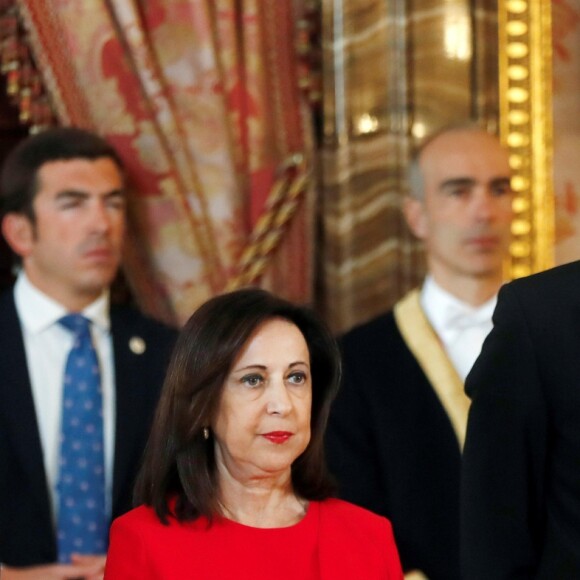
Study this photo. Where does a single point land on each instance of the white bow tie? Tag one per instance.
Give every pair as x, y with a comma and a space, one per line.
464, 333
458, 318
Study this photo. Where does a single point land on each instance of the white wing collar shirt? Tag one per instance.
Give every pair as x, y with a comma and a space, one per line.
461, 327
47, 345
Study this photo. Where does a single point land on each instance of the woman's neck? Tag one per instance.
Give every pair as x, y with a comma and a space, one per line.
265, 501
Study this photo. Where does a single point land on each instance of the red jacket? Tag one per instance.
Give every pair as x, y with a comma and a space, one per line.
335, 540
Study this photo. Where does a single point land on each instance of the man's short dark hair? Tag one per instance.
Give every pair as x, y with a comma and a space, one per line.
179, 472
19, 175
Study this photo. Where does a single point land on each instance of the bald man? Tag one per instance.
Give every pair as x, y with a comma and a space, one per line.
397, 429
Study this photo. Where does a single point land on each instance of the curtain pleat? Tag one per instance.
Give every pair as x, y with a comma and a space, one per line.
188, 93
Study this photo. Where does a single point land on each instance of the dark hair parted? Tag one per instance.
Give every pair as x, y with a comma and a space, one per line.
19, 177
179, 464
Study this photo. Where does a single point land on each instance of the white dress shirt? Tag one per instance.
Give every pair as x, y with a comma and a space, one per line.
461, 327
47, 345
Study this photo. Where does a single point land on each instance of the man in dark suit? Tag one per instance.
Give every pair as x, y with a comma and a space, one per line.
521, 481
397, 427
63, 213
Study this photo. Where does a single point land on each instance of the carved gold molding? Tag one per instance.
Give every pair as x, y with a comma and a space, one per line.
525, 77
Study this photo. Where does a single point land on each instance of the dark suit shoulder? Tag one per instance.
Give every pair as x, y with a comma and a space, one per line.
553, 285
535, 302
570, 271
7, 300
371, 339
135, 334
376, 354
370, 329
135, 320
11, 337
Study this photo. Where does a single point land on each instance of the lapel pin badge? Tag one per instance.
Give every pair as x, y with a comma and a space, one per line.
137, 345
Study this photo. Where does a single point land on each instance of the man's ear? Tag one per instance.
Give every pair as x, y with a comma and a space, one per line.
416, 216
19, 233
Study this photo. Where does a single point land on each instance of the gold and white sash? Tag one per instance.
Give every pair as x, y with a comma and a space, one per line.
426, 347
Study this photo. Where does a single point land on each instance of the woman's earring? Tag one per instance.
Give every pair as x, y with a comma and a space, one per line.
206, 433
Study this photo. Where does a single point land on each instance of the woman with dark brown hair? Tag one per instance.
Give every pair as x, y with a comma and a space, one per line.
234, 483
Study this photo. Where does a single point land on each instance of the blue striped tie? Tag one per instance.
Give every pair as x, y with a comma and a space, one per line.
82, 518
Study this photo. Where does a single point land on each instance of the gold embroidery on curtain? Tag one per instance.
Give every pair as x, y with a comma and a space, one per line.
171, 135
23, 81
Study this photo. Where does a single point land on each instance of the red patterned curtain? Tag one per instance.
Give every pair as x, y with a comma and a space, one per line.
201, 99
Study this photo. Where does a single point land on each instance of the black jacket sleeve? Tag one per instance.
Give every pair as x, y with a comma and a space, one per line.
505, 454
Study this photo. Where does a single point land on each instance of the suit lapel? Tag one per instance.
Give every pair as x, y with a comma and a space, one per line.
429, 352
16, 397
129, 419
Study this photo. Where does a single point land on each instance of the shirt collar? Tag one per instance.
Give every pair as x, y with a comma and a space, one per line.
436, 302
37, 311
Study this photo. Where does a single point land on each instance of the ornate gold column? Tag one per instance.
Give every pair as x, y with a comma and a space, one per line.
526, 128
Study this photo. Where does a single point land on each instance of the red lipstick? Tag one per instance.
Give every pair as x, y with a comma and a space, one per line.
278, 437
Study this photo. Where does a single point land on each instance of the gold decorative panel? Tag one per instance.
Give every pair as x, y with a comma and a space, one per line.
525, 52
